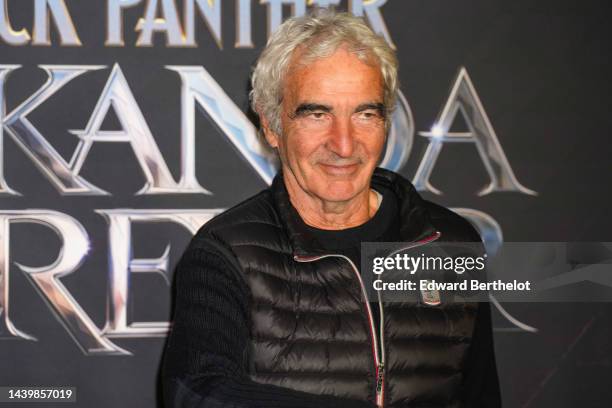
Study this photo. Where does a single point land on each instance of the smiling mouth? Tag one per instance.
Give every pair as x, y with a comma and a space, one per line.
339, 169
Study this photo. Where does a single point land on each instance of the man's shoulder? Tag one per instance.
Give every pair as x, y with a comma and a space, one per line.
452, 226
254, 214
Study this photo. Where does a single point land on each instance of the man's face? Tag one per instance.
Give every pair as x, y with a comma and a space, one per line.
333, 125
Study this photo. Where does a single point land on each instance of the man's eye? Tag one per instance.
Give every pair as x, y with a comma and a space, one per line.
368, 115
317, 115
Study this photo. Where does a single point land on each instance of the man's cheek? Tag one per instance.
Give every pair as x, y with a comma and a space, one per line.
377, 148
303, 150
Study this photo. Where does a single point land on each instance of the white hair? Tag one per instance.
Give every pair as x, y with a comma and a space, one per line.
317, 35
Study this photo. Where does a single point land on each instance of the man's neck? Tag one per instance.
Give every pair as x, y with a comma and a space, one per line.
331, 215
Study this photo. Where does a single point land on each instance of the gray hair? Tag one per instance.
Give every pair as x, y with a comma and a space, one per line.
319, 35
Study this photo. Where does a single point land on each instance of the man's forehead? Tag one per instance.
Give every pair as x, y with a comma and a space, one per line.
304, 60
332, 76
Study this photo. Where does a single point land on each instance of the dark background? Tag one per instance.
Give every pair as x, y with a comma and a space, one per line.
541, 69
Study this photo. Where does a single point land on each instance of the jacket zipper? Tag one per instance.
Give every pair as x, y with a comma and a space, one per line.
379, 360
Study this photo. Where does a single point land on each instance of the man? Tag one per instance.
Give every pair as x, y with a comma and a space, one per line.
270, 307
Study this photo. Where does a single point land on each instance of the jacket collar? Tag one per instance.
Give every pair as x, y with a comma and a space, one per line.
415, 223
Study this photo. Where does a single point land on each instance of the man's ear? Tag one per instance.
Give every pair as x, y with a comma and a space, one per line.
271, 136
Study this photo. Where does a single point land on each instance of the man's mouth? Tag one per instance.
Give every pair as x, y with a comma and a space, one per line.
339, 169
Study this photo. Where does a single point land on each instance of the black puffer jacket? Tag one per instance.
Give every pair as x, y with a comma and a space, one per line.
306, 327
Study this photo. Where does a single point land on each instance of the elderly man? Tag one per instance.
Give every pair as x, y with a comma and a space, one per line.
271, 310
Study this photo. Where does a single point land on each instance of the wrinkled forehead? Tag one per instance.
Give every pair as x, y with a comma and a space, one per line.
308, 53
333, 74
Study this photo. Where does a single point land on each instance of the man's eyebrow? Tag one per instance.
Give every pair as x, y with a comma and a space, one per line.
379, 106
310, 107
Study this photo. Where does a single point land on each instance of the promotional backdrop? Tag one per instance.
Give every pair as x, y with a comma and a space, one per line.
125, 126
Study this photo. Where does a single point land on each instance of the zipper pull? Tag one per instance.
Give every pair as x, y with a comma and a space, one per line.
379, 380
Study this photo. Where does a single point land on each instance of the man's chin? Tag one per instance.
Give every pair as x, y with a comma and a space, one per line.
338, 190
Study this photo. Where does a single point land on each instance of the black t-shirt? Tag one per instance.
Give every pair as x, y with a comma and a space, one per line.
382, 227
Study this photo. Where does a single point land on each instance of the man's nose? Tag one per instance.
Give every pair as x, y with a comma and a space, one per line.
341, 137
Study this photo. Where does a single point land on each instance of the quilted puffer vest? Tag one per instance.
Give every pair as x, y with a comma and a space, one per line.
310, 327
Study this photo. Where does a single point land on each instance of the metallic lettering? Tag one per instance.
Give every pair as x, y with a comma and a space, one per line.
199, 86
323, 3
463, 98
63, 22
135, 131
210, 10
168, 24
400, 137
46, 279
114, 31
7, 328
31, 141
275, 11
122, 265
489, 229
7, 33
5, 71
371, 10
243, 24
